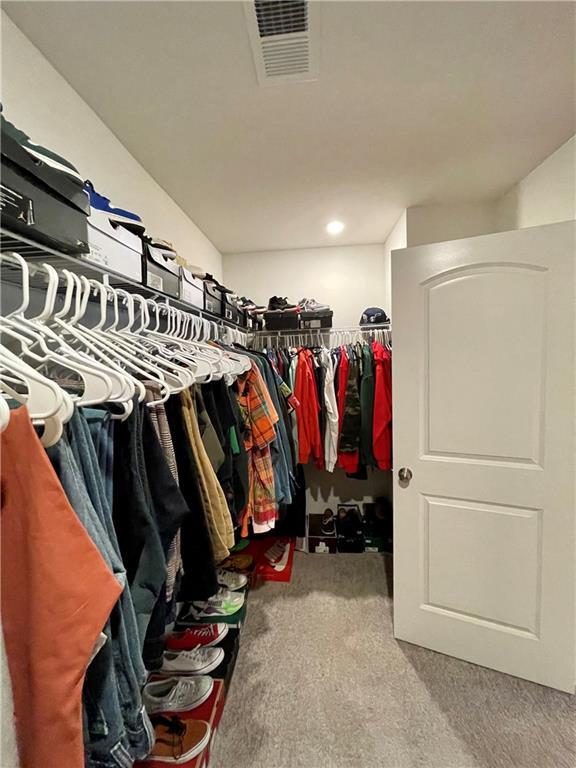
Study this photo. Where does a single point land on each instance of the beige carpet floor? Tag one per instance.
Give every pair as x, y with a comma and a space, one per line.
320, 682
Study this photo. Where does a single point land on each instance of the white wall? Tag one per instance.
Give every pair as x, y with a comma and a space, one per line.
396, 239
348, 278
38, 100
546, 195
450, 221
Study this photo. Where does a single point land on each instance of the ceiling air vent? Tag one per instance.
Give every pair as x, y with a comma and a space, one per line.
281, 34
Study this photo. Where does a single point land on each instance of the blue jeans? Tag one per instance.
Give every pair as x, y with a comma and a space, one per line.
117, 731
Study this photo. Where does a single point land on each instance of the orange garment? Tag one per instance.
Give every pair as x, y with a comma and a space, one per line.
57, 593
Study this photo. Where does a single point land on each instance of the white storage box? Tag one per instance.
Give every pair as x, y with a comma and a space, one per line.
191, 289
114, 247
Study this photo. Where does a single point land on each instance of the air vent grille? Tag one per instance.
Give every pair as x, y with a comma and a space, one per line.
283, 34
281, 17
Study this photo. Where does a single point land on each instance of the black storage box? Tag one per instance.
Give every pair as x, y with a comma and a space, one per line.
213, 301
316, 319
350, 528
41, 202
281, 321
232, 313
160, 270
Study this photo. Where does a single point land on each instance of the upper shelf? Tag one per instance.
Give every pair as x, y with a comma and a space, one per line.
36, 252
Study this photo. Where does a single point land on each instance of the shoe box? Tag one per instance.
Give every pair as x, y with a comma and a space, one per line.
42, 203
230, 645
378, 526
350, 528
191, 289
319, 540
316, 319
160, 269
254, 322
211, 712
213, 299
232, 313
113, 246
281, 321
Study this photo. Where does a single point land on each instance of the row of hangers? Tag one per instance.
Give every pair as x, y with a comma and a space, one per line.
328, 337
56, 360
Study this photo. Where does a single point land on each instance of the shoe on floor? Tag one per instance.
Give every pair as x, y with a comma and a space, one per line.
199, 661
230, 580
178, 741
238, 563
100, 203
176, 694
205, 635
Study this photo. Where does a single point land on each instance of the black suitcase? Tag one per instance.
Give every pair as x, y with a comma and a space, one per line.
41, 202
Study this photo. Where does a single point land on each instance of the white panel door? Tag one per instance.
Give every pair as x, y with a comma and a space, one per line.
483, 388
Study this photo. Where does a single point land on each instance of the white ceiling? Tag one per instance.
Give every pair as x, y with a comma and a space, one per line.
416, 103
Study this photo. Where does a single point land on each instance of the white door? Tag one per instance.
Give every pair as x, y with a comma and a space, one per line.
483, 393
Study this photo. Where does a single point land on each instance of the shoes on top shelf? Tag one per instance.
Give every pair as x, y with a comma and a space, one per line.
312, 305
38, 151
281, 304
126, 218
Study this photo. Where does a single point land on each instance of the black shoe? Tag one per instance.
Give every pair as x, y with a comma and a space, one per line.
328, 524
279, 304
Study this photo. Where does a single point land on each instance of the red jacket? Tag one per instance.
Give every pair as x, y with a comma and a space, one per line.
308, 414
382, 419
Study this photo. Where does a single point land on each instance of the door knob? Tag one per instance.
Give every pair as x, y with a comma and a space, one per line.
405, 475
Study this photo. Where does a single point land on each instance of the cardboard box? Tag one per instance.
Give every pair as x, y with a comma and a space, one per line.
316, 529
114, 247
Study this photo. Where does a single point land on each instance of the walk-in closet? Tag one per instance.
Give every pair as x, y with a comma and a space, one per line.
287, 384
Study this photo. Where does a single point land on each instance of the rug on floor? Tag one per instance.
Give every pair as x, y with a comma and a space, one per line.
322, 683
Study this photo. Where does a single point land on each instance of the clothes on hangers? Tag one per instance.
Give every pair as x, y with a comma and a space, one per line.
53, 586
343, 411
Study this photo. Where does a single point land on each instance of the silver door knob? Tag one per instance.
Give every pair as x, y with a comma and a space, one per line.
405, 475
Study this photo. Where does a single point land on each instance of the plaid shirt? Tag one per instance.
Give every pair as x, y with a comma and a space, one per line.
259, 417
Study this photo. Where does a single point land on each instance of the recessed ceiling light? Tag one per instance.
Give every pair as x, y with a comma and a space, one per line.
334, 227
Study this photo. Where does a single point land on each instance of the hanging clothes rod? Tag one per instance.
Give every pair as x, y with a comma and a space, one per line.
338, 329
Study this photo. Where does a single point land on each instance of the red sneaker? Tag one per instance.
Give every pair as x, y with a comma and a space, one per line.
203, 635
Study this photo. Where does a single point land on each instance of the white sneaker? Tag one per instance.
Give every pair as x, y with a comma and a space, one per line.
231, 581
200, 661
223, 603
176, 694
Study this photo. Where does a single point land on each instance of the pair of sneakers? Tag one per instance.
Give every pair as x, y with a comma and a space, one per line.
178, 741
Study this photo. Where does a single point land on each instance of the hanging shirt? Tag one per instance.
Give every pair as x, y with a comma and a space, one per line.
259, 417
382, 420
57, 594
309, 438
331, 434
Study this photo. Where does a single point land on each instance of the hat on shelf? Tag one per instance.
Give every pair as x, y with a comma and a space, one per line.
374, 316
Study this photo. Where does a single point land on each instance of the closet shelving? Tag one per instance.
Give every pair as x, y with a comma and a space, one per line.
37, 253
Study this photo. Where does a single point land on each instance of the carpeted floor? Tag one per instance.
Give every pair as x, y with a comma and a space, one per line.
321, 683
